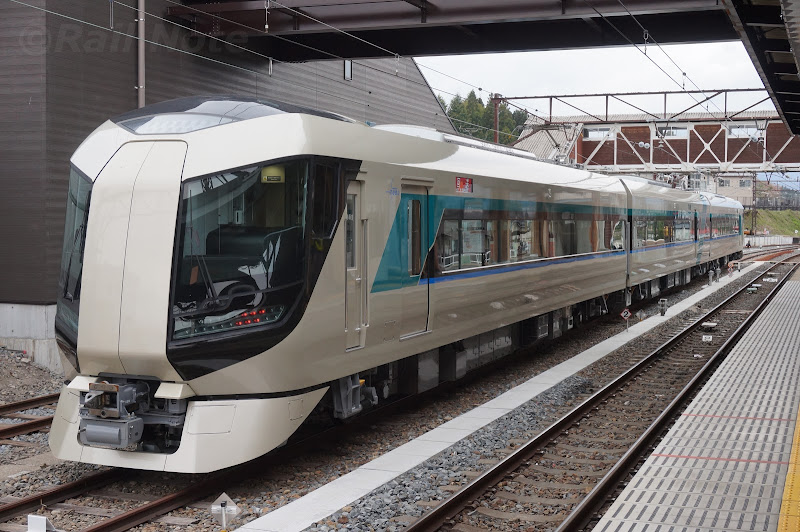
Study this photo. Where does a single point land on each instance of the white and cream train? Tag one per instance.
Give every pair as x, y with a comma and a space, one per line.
230, 265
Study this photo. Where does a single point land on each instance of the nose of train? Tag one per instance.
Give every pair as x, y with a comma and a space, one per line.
127, 261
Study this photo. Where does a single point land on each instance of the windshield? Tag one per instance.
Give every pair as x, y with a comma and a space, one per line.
241, 250
69, 280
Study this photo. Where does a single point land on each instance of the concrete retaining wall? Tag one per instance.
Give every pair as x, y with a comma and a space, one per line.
31, 328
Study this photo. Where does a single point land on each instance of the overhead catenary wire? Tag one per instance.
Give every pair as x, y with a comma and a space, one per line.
668, 56
335, 56
248, 50
325, 52
725, 118
255, 73
171, 48
465, 122
334, 28
356, 37
622, 34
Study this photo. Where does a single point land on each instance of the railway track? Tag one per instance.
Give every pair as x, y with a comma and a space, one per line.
32, 424
562, 477
80, 497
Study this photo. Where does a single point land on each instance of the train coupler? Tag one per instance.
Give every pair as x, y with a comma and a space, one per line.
124, 415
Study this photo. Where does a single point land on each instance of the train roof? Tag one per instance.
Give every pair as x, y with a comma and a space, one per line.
718, 200
184, 115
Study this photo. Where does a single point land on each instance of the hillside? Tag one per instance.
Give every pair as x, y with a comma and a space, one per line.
776, 222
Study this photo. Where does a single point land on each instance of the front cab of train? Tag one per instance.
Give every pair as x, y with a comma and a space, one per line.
167, 277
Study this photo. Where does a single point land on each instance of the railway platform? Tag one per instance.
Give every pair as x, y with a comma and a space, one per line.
331, 497
732, 460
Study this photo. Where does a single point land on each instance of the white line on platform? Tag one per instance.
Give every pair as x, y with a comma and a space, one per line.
332, 497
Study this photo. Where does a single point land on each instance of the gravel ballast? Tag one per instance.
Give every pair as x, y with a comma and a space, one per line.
388, 507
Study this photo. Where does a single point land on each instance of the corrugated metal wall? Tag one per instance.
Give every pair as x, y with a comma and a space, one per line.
23, 187
60, 78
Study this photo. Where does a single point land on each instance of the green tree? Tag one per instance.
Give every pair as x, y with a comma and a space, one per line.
472, 118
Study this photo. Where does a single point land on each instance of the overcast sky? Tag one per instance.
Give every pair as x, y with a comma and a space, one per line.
613, 69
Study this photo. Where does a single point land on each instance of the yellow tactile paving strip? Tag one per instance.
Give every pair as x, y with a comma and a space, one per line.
789, 520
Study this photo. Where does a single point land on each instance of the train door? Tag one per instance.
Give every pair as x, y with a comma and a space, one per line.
354, 266
414, 247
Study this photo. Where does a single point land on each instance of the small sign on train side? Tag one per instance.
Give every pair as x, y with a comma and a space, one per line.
626, 314
464, 185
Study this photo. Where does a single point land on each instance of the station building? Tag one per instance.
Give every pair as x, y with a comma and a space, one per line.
67, 66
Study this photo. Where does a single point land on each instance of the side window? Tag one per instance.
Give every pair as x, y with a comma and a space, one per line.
520, 248
639, 232
473, 243
414, 237
544, 240
504, 237
618, 235
597, 235
447, 247
585, 236
494, 245
350, 232
325, 197
565, 234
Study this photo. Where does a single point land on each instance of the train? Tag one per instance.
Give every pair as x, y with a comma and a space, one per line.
232, 265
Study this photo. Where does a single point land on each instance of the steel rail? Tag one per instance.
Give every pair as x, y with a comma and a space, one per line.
582, 514
154, 509
216, 481
436, 517
17, 429
25, 404
9, 430
59, 493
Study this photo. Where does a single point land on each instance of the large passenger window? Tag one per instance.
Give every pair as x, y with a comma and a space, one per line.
241, 249
448, 245
617, 240
503, 237
724, 225
473, 244
662, 228
521, 240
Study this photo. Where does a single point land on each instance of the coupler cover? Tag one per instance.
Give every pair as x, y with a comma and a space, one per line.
117, 434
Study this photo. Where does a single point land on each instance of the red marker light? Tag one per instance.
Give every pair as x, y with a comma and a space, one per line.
257, 320
238, 323
262, 311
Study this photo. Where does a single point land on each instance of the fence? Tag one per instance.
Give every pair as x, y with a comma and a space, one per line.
759, 241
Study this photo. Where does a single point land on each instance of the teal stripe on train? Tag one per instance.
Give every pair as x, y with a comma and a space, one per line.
393, 271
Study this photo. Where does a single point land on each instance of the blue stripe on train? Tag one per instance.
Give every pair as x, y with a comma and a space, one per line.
517, 267
392, 274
